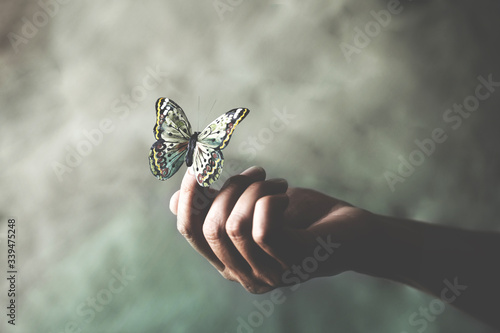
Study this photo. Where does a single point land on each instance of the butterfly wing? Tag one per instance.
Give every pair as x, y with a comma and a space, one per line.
207, 157
219, 131
207, 164
166, 158
171, 121
172, 131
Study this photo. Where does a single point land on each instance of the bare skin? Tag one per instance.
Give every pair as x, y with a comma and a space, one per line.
256, 232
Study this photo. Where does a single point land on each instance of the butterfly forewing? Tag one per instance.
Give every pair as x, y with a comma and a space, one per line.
171, 122
219, 131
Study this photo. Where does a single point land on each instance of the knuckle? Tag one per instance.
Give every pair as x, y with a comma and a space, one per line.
249, 282
257, 289
252, 289
236, 226
260, 235
227, 275
185, 230
270, 279
213, 229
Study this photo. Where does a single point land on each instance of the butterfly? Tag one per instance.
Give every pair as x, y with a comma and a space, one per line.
201, 150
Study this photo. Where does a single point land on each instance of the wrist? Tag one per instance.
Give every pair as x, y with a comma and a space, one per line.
392, 250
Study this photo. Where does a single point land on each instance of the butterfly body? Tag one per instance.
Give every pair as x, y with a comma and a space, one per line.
201, 150
190, 149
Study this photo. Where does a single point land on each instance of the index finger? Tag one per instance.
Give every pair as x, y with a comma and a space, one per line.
193, 204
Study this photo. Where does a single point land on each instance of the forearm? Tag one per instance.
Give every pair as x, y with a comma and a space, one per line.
458, 266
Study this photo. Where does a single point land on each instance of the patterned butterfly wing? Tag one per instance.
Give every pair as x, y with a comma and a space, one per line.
166, 158
173, 131
207, 164
219, 131
207, 158
171, 121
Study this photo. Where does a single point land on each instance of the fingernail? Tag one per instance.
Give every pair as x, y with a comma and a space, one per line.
255, 170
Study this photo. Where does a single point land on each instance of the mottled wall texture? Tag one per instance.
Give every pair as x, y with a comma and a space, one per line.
390, 105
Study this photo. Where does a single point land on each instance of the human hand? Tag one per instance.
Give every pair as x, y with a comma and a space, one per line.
265, 235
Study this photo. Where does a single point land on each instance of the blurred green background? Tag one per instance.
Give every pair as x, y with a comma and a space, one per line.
98, 249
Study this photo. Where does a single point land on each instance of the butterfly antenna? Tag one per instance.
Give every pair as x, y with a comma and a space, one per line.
212, 107
206, 114
198, 115
209, 112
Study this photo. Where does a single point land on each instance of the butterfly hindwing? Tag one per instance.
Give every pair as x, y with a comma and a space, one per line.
207, 164
166, 158
219, 131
